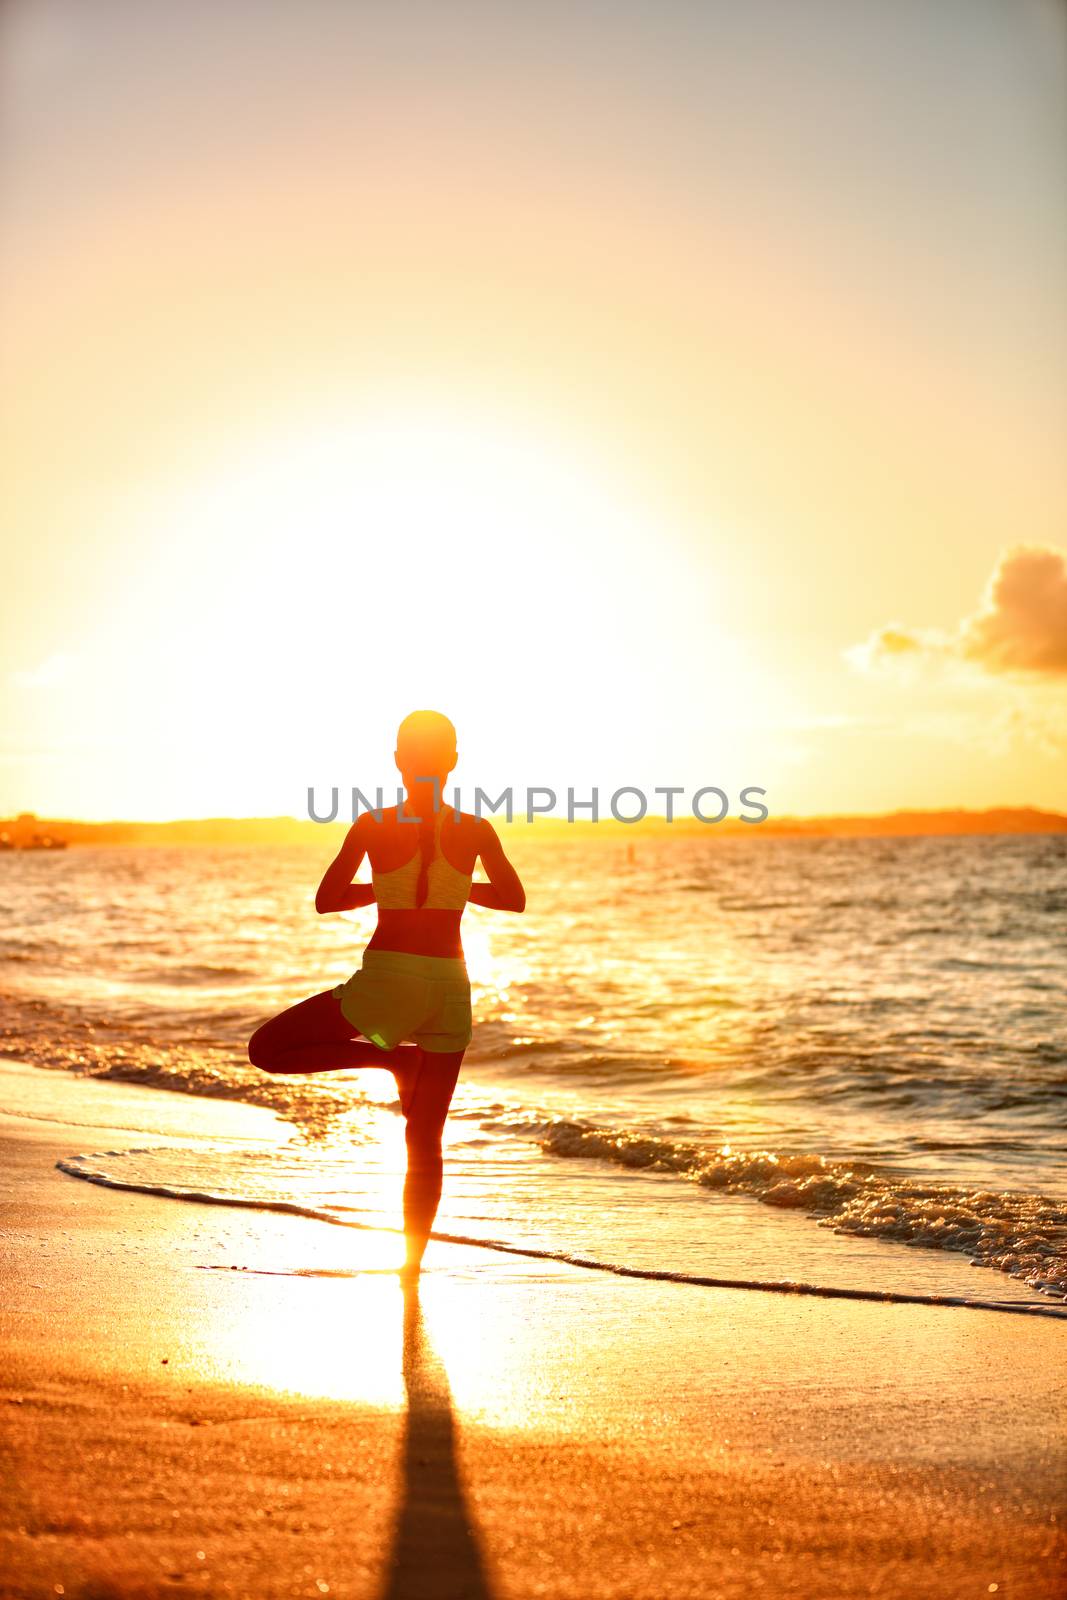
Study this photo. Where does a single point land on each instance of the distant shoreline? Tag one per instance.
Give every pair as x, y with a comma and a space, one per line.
275, 831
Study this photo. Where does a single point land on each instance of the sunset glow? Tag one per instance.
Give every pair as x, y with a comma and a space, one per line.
348, 379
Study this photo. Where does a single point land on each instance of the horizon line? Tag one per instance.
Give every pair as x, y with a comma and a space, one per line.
1018, 819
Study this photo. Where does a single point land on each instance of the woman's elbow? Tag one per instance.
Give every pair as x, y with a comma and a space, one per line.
323, 904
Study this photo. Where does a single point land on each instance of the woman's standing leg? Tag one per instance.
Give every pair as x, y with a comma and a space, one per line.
426, 1112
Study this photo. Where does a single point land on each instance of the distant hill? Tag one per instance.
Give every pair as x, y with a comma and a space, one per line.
293, 831
895, 824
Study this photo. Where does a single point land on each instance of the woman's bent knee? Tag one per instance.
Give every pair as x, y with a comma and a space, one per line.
259, 1050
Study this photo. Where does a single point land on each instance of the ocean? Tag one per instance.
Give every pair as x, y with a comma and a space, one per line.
834, 1064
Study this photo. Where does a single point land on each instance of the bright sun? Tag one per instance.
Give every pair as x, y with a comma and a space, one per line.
330, 581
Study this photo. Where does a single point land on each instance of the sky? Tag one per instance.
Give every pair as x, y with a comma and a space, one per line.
673, 393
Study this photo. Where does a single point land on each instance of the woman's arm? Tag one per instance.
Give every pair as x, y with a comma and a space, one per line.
337, 892
504, 891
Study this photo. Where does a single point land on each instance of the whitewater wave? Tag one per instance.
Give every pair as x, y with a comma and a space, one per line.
82, 1167
1023, 1235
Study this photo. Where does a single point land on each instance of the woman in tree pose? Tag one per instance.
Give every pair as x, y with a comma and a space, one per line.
408, 1008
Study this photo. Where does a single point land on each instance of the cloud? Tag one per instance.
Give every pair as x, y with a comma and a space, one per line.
894, 650
1020, 625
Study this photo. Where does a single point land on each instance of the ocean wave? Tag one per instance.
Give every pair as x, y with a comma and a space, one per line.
197, 974
313, 1105
1023, 1235
82, 1167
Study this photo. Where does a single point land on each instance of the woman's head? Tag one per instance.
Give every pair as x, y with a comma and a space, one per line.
425, 749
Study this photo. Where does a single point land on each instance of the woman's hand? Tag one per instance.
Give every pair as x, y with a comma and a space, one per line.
337, 892
504, 891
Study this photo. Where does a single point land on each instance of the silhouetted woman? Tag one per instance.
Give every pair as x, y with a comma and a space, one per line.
413, 983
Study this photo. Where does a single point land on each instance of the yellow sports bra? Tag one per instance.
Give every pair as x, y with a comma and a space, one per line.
447, 889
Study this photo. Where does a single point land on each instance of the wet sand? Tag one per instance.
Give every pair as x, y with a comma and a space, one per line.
204, 1401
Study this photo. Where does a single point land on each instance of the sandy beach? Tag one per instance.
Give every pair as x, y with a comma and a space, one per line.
207, 1401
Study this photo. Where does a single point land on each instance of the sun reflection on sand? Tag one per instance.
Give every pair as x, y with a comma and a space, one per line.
313, 1330
319, 1312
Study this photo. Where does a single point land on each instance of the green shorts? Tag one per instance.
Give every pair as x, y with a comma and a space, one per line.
395, 997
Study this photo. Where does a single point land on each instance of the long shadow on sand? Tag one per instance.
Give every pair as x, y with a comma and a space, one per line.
435, 1552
